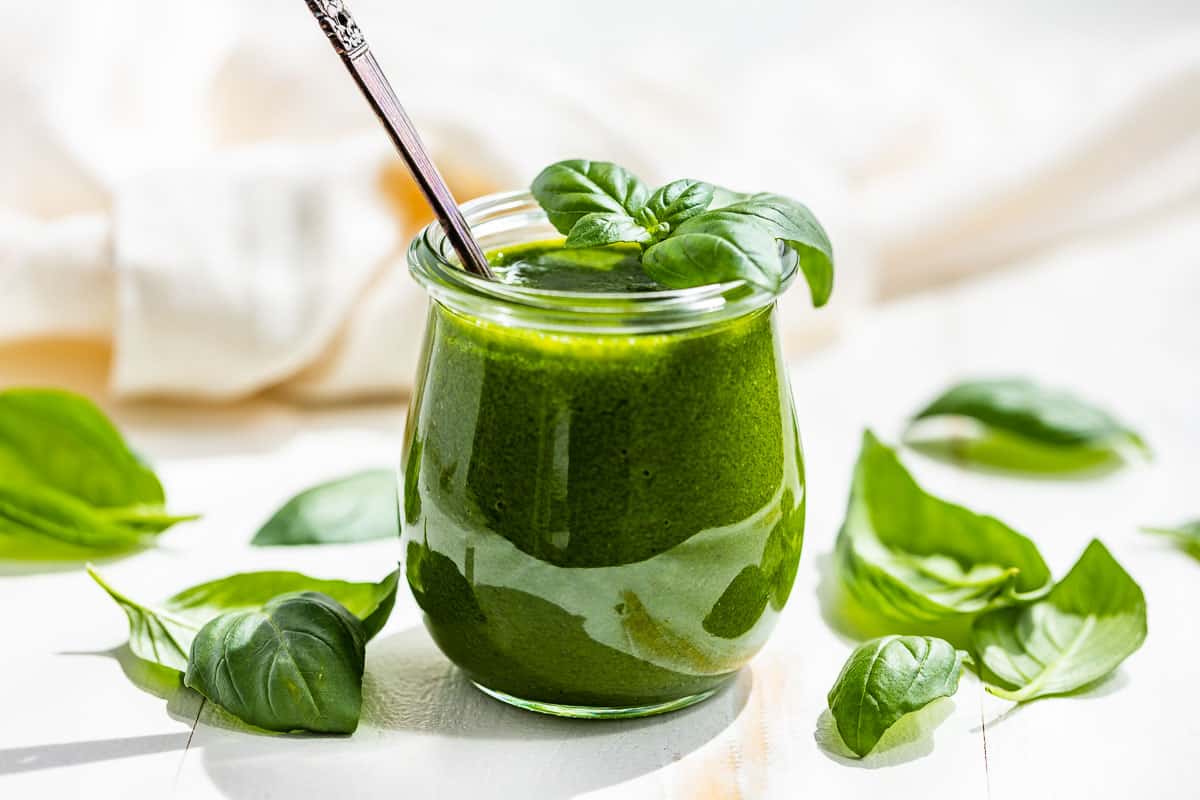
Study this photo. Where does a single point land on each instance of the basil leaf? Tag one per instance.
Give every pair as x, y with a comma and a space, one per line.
163, 633
61, 441
570, 190
913, 557
679, 201
1027, 427
37, 522
295, 664
1091, 622
793, 224
716, 247
601, 228
885, 679
355, 508
1186, 535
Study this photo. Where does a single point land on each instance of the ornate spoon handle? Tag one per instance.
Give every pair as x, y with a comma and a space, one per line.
348, 41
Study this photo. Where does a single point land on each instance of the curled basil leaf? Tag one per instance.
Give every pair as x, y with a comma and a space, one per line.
355, 508
1090, 622
296, 664
570, 190
601, 228
887, 678
163, 632
912, 557
716, 247
679, 201
1186, 535
1025, 427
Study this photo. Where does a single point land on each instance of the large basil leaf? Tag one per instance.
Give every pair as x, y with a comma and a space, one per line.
678, 201
1186, 535
162, 633
296, 664
885, 679
570, 190
601, 228
1091, 622
913, 557
355, 508
715, 247
1025, 427
61, 441
793, 224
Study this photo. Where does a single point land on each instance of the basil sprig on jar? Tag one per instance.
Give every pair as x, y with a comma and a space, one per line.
692, 233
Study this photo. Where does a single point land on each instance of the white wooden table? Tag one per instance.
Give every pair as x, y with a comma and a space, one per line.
1118, 321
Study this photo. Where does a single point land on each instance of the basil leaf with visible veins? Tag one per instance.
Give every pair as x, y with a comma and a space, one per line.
604, 227
570, 190
715, 247
1089, 623
355, 508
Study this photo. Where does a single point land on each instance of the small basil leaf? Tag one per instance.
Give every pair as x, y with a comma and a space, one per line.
61, 441
885, 679
162, 633
355, 508
740, 605
1031, 427
38, 522
294, 665
570, 190
915, 558
679, 201
601, 228
1091, 622
792, 223
715, 247
1186, 535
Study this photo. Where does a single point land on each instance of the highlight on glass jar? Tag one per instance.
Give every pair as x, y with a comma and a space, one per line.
603, 494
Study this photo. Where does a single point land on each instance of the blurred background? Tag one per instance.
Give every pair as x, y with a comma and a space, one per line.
196, 203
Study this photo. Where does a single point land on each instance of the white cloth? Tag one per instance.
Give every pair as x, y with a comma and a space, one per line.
201, 185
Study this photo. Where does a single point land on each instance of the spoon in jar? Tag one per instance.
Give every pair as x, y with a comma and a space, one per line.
348, 41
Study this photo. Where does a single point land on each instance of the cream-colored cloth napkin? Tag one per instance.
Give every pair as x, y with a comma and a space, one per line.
202, 186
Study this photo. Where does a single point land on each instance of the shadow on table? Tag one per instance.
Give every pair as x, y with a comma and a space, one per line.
69, 754
424, 727
909, 739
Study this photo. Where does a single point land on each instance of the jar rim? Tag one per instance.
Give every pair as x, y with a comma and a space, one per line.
508, 218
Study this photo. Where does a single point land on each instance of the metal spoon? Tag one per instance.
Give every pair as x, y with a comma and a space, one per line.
350, 44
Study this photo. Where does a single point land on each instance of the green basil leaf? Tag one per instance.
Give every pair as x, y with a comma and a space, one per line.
679, 201
61, 441
296, 664
793, 224
913, 557
885, 679
37, 522
162, 633
570, 190
1026, 427
716, 247
355, 508
604, 227
1186, 535
1092, 621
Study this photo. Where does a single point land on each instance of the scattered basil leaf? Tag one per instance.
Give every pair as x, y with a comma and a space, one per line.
355, 508
604, 227
1089, 623
570, 190
42, 522
1186, 535
678, 201
912, 557
163, 633
716, 247
885, 679
1026, 427
296, 664
794, 225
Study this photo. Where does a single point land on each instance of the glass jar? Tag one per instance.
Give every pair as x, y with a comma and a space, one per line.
603, 493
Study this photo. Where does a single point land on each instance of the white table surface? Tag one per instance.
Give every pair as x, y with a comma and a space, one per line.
1118, 321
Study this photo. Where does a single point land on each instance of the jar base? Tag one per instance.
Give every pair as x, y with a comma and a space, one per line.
595, 712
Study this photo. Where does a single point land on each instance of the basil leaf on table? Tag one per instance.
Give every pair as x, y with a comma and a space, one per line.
887, 678
601, 228
570, 190
1089, 623
1186, 535
294, 664
355, 508
715, 247
678, 201
913, 557
1025, 427
37, 522
162, 633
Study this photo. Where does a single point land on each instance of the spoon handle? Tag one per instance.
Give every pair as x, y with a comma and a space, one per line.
347, 39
